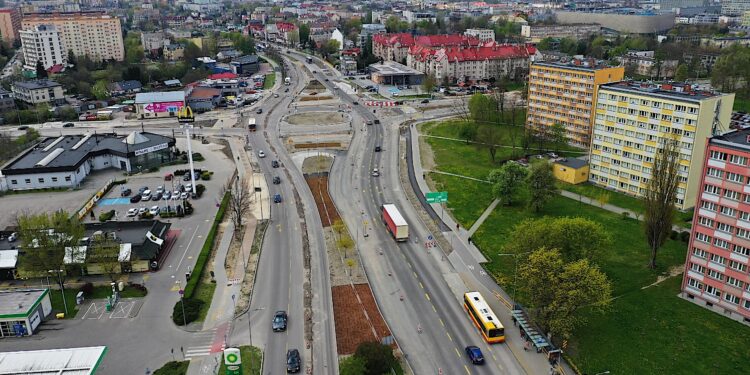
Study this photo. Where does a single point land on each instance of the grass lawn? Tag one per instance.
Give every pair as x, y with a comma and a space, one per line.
252, 359
741, 104
204, 292
55, 297
269, 81
173, 368
467, 199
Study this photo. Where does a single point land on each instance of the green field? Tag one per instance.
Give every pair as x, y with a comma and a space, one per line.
252, 361
55, 297
646, 331
204, 292
269, 81
741, 104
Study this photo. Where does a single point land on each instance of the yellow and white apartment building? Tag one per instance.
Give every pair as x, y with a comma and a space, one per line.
96, 35
633, 118
563, 93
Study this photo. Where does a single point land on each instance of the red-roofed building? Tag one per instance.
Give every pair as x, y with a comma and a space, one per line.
395, 47
222, 76
281, 32
472, 64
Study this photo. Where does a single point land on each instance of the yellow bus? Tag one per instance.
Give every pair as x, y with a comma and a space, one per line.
483, 317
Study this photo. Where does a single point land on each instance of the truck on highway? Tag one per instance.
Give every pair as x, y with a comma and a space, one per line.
395, 223
287, 81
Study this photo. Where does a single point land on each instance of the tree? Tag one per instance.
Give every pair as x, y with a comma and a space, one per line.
378, 358
72, 58
575, 237
100, 90
45, 238
467, 131
506, 182
557, 291
352, 365
661, 193
304, 34
429, 83
461, 108
483, 108
192, 52
40, 71
104, 253
541, 184
490, 136
134, 54
240, 195
681, 74
557, 136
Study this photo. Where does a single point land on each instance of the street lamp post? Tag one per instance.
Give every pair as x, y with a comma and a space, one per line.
62, 288
182, 302
515, 270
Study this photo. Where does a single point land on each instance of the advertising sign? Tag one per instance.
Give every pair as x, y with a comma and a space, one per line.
146, 150
232, 361
162, 107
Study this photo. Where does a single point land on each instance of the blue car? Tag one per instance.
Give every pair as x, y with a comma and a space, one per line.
277, 198
475, 355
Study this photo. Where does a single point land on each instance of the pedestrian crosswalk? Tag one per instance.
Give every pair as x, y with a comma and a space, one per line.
207, 342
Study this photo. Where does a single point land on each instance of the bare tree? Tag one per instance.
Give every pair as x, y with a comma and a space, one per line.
490, 136
661, 192
461, 108
239, 202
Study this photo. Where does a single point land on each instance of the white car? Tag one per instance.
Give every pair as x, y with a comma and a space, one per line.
375, 172
184, 195
261, 154
176, 195
154, 210
132, 212
160, 189
146, 195
142, 210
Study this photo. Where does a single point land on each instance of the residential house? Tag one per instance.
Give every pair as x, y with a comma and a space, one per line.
41, 91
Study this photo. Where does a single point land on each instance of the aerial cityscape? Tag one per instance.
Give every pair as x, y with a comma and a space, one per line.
374, 187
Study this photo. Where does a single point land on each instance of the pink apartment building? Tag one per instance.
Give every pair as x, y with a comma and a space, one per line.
716, 269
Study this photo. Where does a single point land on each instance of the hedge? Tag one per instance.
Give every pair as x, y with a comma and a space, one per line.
200, 263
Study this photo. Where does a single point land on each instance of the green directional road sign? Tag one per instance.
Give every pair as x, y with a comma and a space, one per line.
437, 197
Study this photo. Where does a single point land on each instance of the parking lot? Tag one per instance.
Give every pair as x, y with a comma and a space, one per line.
123, 309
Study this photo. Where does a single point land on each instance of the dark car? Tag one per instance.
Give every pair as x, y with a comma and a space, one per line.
135, 199
69, 125
125, 192
276, 180
275, 163
277, 198
23, 127
286, 90
156, 197
425, 101
355, 103
279, 321
475, 355
259, 110
326, 79
293, 362
378, 149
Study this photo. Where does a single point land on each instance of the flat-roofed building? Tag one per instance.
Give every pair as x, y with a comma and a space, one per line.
38, 91
536, 33
22, 311
633, 120
42, 43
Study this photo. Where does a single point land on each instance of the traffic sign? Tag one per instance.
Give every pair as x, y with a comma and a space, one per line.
437, 197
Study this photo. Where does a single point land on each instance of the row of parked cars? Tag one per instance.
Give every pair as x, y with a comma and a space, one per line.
145, 194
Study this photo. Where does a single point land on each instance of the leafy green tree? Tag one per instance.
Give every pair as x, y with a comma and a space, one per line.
541, 184
491, 137
575, 237
661, 194
104, 253
557, 136
72, 58
429, 83
483, 108
681, 74
352, 365
44, 238
192, 52
558, 291
507, 182
40, 71
134, 54
304, 34
132, 72
378, 358
100, 90
467, 131
545, 44
67, 113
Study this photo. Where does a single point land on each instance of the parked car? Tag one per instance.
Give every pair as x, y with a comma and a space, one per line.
286, 90
160, 189
168, 177
142, 189
259, 110
176, 195
276, 180
293, 362
146, 195
378, 149
355, 103
156, 196
154, 210
184, 195
132, 212
125, 192
277, 198
425, 101
167, 195
275, 95
279, 321
23, 127
474, 354
135, 199
142, 210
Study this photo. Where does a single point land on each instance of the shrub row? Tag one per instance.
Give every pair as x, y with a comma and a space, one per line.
200, 263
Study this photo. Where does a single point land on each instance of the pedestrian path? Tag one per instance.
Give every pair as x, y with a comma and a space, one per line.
483, 217
207, 342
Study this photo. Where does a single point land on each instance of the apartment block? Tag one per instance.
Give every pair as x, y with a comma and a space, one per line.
563, 93
42, 43
95, 35
716, 269
10, 23
536, 33
633, 119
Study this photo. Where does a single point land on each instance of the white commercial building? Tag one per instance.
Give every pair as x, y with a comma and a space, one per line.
68, 361
21, 312
42, 43
482, 34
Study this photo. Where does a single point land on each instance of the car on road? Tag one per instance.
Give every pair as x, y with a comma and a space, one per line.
276, 180
259, 110
277, 198
23, 127
355, 103
279, 321
425, 101
315, 72
135, 199
261, 154
154, 210
375, 172
69, 125
125, 192
369, 122
132, 212
286, 90
275, 95
378, 149
326, 79
293, 362
474, 354
275, 163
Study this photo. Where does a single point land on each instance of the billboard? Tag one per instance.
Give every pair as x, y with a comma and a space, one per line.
162, 107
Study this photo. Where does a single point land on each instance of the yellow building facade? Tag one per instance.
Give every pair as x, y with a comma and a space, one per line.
95, 35
633, 119
572, 171
563, 93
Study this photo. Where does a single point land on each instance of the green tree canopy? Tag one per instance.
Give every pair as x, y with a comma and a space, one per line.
378, 358
352, 365
507, 182
575, 237
483, 108
44, 238
541, 184
100, 90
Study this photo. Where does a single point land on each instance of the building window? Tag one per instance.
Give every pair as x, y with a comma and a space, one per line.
731, 298
728, 211
713, 172
710, 206
725, 227
14, 182
695, 283
711, 189
737, 266
28, 181
731, 194
41, 180
734, 282
703, 237
700, 253
718, 259
721, 243
54, 179
67, 178
716, 155
741, 250
712, 291
734, 177
697, 268
706, 222
739, 160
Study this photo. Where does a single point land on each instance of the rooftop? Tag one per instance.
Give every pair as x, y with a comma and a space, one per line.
19, 302
736, 138
587, 65
388, 68
70, 151
667, 90
159, 97
247, 59
36, 84
68, 361
574, 163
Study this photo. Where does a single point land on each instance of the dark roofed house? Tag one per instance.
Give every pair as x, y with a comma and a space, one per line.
125, 87
39, 91
202, 99
141, 243
246, 65
65, 161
